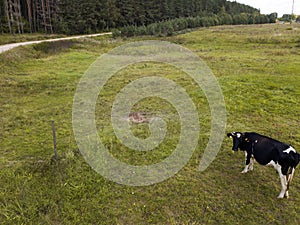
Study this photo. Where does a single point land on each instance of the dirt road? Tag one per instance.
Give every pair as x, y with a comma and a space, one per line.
4, 48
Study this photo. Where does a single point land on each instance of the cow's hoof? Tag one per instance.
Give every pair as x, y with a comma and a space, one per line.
287, 195
244, 171
280, 196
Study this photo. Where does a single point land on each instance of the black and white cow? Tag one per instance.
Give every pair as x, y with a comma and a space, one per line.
267, 151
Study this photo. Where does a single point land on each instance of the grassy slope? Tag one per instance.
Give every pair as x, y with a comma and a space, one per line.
258, 70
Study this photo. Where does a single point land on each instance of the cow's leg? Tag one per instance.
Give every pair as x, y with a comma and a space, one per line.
289, 178
290, 175
248, 157
283, 186
287, 187
251, 163
283, 179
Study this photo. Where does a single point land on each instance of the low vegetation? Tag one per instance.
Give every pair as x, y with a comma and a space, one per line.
257, 67
183, 24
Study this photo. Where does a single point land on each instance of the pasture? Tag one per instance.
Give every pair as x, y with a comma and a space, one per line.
258, 69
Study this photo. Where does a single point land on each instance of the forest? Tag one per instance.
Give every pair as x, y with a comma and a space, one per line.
130, 16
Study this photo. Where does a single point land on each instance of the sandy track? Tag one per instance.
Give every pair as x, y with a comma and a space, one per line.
4, 48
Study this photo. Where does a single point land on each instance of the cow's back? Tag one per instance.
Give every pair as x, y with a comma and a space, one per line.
265, 149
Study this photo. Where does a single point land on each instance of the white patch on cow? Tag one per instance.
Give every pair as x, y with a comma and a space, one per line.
238, 135
290, 149
272, 163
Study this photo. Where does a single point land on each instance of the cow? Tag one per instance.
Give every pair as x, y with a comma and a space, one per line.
267, 151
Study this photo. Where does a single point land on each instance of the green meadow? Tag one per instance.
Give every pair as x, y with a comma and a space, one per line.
258, 70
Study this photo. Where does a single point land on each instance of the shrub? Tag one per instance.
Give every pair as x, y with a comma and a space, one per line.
116, 33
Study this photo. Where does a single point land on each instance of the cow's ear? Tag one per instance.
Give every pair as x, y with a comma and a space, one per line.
229, 135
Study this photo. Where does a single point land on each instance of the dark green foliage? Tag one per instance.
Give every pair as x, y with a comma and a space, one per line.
286, 18
169, 27
273, 17
136, 17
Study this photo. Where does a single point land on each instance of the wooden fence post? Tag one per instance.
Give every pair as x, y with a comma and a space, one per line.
54, 140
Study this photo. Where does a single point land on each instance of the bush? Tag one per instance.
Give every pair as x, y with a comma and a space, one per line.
153, 29
116, 33
128, 31
167, 29
192, 22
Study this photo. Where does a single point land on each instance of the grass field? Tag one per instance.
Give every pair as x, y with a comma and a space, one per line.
258, 69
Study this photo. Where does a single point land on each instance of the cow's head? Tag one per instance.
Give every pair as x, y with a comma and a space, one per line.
237, 138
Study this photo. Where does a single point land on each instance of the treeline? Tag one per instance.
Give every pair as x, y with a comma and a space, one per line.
24, 16
90, 16
169, 27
